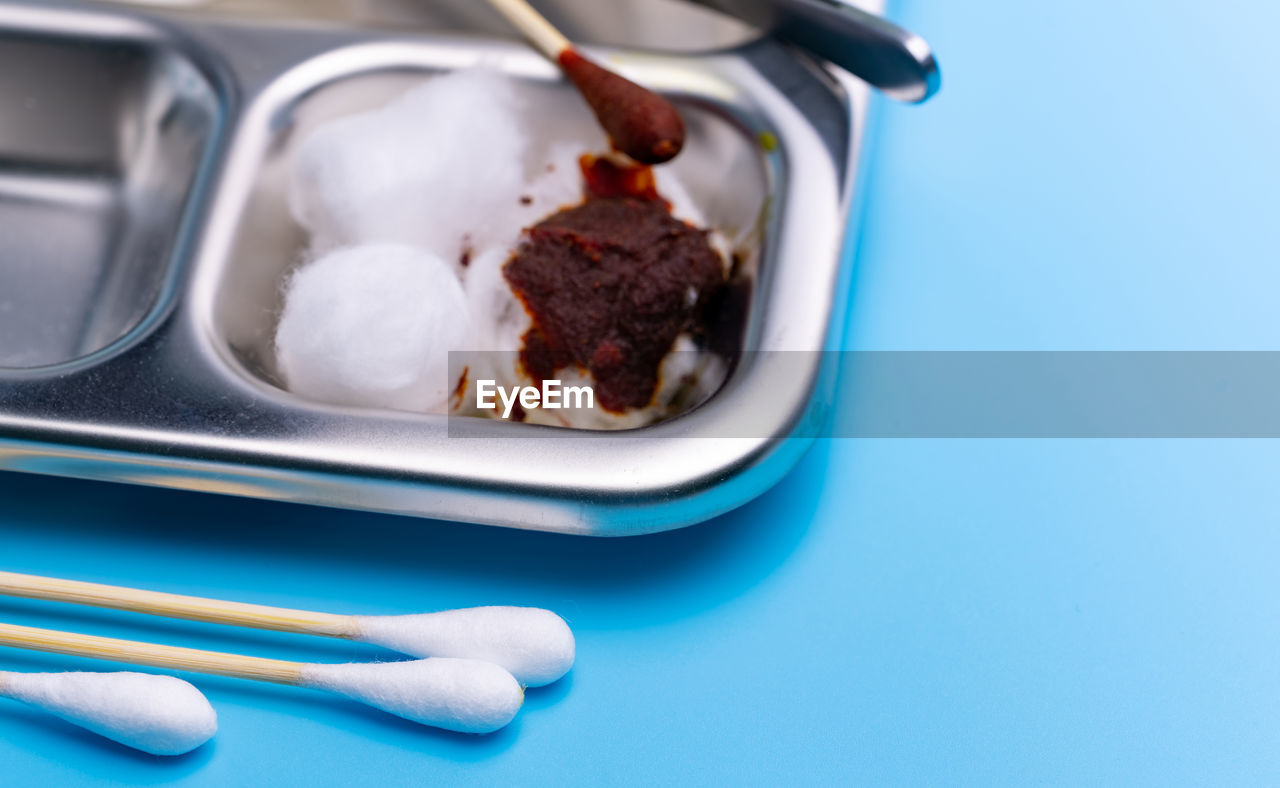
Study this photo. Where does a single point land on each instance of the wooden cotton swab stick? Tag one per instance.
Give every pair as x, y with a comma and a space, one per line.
535, 645
640, 123
462, 695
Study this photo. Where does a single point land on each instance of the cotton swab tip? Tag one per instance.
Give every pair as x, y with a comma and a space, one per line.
160, 715
535, 645
464, 695
641, 124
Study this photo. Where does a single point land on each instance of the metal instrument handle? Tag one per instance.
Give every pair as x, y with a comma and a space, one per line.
897, 61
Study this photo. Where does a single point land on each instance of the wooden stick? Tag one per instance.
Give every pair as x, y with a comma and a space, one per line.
192, 608
535, 27
639, 122
153, 654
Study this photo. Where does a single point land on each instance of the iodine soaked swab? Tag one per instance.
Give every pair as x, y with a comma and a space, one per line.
534, 645
464, 695
641, 124
161, 715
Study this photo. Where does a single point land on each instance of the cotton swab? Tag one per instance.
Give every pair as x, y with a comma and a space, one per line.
465, 695
534, 645
640, 123
161, 715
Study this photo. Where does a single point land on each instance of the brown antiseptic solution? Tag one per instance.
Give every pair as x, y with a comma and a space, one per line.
611, 283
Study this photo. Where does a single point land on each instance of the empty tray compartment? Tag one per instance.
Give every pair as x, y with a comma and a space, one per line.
103, 132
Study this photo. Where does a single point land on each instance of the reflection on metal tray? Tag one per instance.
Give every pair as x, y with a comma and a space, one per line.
139, 173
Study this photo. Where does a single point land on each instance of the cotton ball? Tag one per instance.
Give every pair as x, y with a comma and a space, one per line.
464, 695
555, 182
535, 645
501, 320
438, 167
556, 116
161, 715
688, 375
373, 326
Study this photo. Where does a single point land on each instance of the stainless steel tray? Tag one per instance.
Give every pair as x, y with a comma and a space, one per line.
138, 157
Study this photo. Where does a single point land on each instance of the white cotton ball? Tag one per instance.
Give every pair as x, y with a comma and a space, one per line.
501, 319
440, 167
373, 326
464, 695
161, 715
555, 182
501, 322
536, 645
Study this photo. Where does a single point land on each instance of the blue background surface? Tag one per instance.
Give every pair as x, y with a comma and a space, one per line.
1094, 175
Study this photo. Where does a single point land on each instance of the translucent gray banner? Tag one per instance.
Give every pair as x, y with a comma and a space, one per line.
998, 394
1058, 395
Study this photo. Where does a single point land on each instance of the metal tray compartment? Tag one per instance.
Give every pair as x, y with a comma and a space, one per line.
186, 398
102, 135
723, 165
